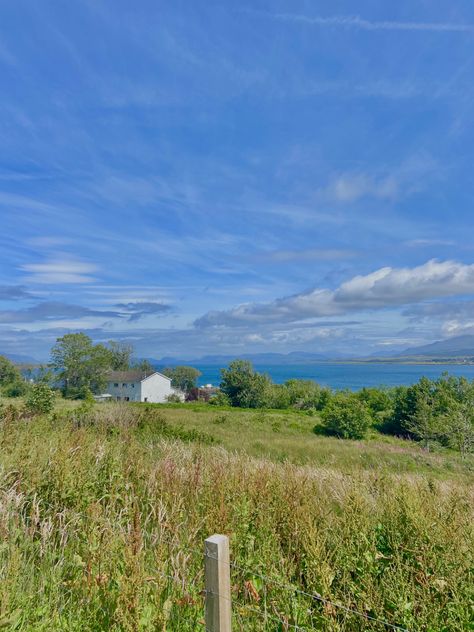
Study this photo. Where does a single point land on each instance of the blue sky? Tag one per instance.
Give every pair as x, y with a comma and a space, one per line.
220, 177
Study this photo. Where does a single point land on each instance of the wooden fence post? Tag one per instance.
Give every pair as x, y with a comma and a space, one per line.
217, 578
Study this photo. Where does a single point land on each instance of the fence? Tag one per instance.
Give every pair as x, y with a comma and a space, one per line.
218, 595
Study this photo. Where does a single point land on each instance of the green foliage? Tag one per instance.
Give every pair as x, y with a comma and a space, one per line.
104, 530
183, 378
80, 364
17, 388
143, 365
8, 371
174, 398
346, 416
120, 355
307, 394
435, 411
243, 386
12, 383
219, 399
40, 399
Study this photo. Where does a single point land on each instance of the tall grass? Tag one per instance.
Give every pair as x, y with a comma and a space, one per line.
102, 522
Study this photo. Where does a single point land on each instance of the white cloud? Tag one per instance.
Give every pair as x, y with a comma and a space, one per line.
59, 270
416, 243
383, 288
352, 187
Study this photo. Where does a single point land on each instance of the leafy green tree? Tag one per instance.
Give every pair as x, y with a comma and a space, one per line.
80, 364
458, 428
144, 365
278, 396
40, 399
183, 378
8, 371
120, 355
12, 383
346, 416
219, 399
307, 394
243, 386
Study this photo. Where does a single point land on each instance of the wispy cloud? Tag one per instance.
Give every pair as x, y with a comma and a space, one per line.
13, 292
352, 187
60, 270
356, 22
309, 254
424, 243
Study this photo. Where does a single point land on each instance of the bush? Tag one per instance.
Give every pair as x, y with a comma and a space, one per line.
173, 398
17, 388
243, 386
40, 399
219, 399
346, 416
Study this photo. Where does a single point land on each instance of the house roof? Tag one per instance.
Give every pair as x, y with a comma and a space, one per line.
128, 376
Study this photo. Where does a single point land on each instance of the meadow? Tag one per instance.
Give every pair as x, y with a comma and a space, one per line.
104, 510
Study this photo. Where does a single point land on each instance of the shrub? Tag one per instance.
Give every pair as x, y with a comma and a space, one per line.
40, 399
174, 398
346, 416
17, 388
219, 399
243, 386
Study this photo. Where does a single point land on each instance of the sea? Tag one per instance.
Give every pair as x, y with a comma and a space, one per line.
338, 375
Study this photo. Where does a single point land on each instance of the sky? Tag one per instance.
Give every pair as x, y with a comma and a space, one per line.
207, 177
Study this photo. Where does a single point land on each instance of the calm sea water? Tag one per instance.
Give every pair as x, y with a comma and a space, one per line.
349, 376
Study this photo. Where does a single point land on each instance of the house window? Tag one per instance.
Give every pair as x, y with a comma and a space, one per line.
127, 399
146, 399
124, 384
116, 385
132, 385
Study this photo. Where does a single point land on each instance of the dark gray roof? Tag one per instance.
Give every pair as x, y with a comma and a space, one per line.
128, 376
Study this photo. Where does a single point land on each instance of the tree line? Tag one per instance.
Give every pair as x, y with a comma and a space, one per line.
434, 412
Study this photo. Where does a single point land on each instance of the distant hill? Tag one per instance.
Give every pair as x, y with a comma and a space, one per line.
458, 347
17, 358
295, 357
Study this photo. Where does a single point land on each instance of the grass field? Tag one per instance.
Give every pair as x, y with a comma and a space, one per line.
103, 514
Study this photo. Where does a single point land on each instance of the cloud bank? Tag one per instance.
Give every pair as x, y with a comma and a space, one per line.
384, 288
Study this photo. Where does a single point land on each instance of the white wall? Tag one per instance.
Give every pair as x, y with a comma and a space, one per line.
125, 389
156, 388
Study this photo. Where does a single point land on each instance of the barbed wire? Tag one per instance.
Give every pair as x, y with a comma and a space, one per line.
289, 588
313, 596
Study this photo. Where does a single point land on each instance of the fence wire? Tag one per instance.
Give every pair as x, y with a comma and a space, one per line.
313, 596
275, 616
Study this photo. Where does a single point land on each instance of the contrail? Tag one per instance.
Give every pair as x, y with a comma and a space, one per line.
356, 22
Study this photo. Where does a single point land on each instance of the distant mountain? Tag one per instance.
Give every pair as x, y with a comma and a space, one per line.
458, 347
295, 357
17, 358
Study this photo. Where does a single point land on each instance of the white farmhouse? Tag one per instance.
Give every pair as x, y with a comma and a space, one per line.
139, 386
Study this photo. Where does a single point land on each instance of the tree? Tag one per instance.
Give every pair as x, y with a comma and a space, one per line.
243, 386
120, 355
8, 371
458, 428
80, 364
346, 416
11, 380
183, 378
40, 399
144, 365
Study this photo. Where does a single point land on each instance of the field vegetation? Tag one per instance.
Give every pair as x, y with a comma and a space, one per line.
344, 510
104, 509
